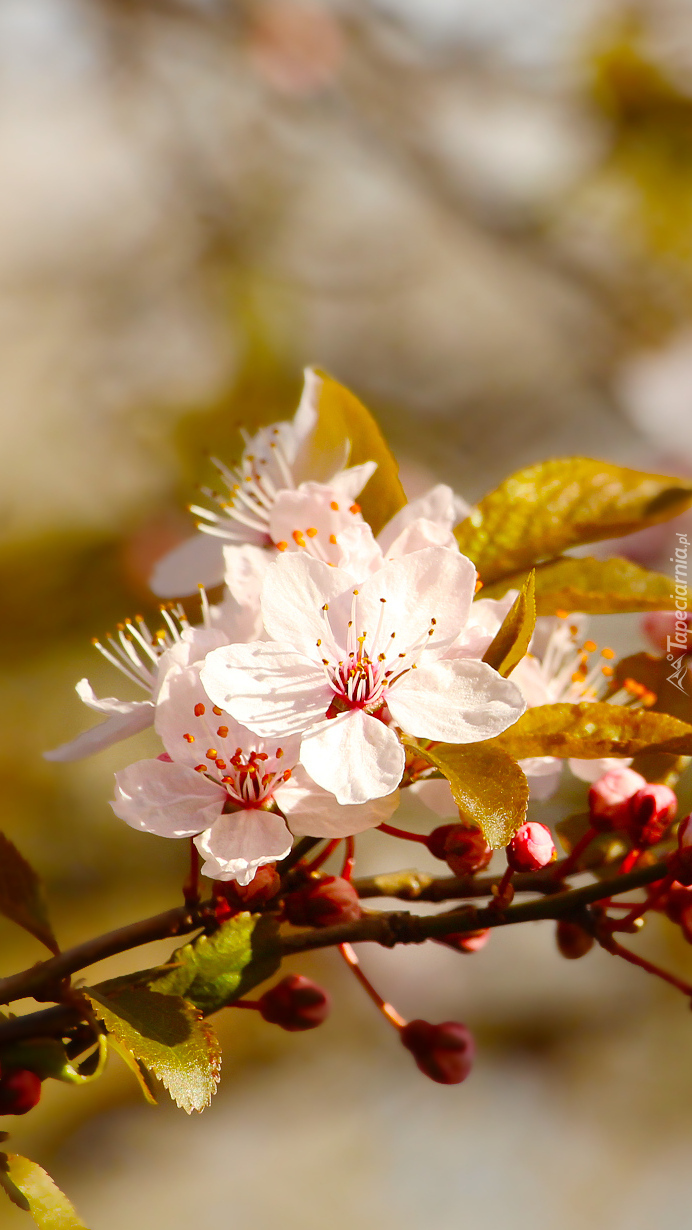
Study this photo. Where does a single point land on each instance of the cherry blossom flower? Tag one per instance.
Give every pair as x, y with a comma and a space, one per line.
234, 792
349, 662
283, 486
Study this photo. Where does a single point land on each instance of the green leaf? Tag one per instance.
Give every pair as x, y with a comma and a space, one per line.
546, 508
590, 731
138, 1070
514, 637
47, 1058
597, 586
168, 1035
21, 895
488, 786
214, 970
342, 415
29, 1187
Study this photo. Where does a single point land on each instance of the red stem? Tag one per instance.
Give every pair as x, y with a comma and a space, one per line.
322, 856
349, 859
386, 1009
573, 858
394, 832
191, 893
618, 950
642, 907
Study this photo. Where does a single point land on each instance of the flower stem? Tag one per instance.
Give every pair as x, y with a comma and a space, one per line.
321, 857
349, 859
191, 888
386, 1009
394, 832
618, 950
573, 858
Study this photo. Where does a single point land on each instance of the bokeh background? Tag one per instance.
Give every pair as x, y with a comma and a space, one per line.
479, 216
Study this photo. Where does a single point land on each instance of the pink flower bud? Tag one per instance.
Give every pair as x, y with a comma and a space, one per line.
20, 1090
466, 941
531, 848
295, 1004
323, 903
651, 811
609, 796
463, 847
664, 626
443, 1052
572, 940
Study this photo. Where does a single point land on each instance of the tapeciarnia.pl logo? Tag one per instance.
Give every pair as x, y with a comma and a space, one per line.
678, 644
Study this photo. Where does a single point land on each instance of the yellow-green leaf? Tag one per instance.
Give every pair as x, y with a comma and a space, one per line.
597, 586
214, 970
137, 1069
47, 1058
29, 1186
21, 895
546, 508
342, 415
591, 731
514, 637
168, 1035
488, 786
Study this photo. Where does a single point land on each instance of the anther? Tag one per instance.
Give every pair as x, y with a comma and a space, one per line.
334, 506
311, 532
355, 508
200, 768
189, 738
298, 538
282, 546
222, 732
217, 711
220, 764
200, 710
607, 653
332, 539
211, 753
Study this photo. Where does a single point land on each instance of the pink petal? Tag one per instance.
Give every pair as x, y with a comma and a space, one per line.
239, 843
295, 590
313, 811
167, 799
196, 561
354, 756
270, 688
130, 718
458, 700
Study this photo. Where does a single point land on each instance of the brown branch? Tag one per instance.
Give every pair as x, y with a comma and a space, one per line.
411, 885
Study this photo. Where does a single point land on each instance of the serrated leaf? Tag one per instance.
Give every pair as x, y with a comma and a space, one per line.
138, 1070
29, 1186
512, 640
591, 731
596, 586
214, 970
543, 510
168, 1035
21, 895
341, 415
488, 786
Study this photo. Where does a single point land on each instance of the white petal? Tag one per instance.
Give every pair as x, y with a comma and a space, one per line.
460, 701
167, 799
245, 569
349, 483
270, 688
239, 843
485, 620
440, 504
103, 704
197, 561
357, 551
543, 774
310, 459
123, 723
431, 584
313, 811
591, 770
436, 794
355, 757
295, 590
419, 534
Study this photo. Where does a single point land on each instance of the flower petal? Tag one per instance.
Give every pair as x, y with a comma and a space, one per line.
440, 505
196, 561
436, 794
354, 756
419, 534
127, 718
591, 770
168, 799
268, 687
239, 843
313, 811
543, 774
295, 590
460, 700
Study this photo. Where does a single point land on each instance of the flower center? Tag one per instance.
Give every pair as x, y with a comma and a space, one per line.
250, 776
251, 489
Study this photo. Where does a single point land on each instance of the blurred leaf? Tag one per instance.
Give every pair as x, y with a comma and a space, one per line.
591, 731
213, 970
488, 786
542, 510
29, 1187
597, 586
512, 641
21, 895
167, 1034
47, 1058
653, 672
342, 415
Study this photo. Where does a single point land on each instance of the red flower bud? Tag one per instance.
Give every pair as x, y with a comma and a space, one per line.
264, 885
463, 847
20, 1090
531, 848
444, 1052
610, 795
323, 903
651, 811
295, 1003
466, 941
572, 940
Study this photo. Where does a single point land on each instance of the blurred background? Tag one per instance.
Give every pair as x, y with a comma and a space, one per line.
478, 216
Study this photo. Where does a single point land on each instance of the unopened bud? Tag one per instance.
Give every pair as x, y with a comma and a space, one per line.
610, 795
323, 903
573, 941
295, 1004
651, 811
232, 898
443, 1052
463, 847
466, 941
20, 1090
531, 848
680, 861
